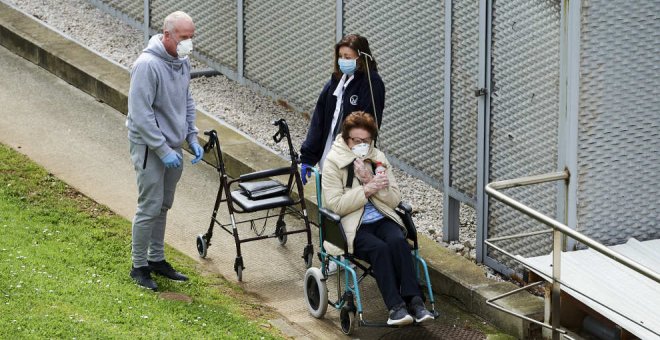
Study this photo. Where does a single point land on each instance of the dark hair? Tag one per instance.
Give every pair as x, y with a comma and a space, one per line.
361, 120
359, 44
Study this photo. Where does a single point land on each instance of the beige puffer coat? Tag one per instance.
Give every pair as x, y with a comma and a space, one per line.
349, 202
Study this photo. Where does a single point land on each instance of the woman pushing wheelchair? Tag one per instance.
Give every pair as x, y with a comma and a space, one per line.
365, 200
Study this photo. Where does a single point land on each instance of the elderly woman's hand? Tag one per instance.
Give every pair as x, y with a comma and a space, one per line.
362, 171
376, 184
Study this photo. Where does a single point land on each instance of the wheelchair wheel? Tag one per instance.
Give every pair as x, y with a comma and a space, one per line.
347, 320
201, 246
316, 292
280, 231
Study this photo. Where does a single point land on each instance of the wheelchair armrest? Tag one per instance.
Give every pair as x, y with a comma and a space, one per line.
265, 174
333, 231
331, 215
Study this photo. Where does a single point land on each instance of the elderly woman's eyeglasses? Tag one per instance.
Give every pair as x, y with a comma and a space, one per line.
360, 140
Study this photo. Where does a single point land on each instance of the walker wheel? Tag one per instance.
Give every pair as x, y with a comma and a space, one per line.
308, 260
239, 272
238, 267
347, 320
308, 255
201, 246
280, 231
316, 292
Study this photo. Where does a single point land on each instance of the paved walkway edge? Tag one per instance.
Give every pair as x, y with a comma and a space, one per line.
108, 81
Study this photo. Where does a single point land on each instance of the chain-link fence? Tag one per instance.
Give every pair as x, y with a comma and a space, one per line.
433, 57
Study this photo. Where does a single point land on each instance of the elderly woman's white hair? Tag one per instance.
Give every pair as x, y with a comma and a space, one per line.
171, 20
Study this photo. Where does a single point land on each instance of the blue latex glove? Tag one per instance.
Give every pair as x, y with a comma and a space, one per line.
305, 172
172, 160
199, 152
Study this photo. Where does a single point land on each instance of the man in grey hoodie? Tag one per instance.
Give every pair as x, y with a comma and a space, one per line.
161, 114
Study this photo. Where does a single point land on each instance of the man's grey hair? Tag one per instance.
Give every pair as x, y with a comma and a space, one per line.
174, 17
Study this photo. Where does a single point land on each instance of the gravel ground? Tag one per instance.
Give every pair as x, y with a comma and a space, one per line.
235, 105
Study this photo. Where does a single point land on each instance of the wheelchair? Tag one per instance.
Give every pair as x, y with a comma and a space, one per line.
349, 301
254, 196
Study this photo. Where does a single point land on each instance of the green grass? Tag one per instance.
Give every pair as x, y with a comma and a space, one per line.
64, 263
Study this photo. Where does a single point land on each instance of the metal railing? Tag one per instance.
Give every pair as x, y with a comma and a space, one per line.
558, 229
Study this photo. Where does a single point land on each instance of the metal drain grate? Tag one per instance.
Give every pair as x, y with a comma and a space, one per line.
434, 331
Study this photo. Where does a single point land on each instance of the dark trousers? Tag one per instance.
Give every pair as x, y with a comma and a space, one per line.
383, 245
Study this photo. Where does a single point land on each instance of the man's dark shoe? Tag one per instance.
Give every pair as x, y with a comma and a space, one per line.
163, 268
418, 310
399, 316
142, 276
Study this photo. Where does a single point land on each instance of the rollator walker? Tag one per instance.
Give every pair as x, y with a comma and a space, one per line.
349, 301
252, 194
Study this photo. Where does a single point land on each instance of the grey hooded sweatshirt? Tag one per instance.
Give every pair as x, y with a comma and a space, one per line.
161, 111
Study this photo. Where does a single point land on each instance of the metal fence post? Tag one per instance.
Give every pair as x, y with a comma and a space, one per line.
146, 23
451, 206
555, 305
483, 126
240, 42
339, 29
569, 54
569, 101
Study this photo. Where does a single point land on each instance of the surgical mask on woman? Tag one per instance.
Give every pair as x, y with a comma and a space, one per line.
347, 66
361, 150
184, 48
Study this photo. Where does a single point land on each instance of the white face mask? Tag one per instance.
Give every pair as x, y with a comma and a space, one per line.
361, 150
184, 48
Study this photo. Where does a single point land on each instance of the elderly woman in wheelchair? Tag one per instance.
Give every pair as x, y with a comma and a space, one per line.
362, 195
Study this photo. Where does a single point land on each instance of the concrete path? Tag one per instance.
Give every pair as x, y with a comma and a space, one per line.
83, 142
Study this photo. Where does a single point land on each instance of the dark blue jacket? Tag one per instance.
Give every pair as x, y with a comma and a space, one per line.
356, 98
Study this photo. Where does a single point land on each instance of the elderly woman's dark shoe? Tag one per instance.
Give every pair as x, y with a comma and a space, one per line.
399, 316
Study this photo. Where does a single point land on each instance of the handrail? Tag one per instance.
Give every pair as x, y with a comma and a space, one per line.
558, 228
492, 188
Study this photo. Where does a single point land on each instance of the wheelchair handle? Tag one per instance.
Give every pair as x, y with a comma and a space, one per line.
405, 207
